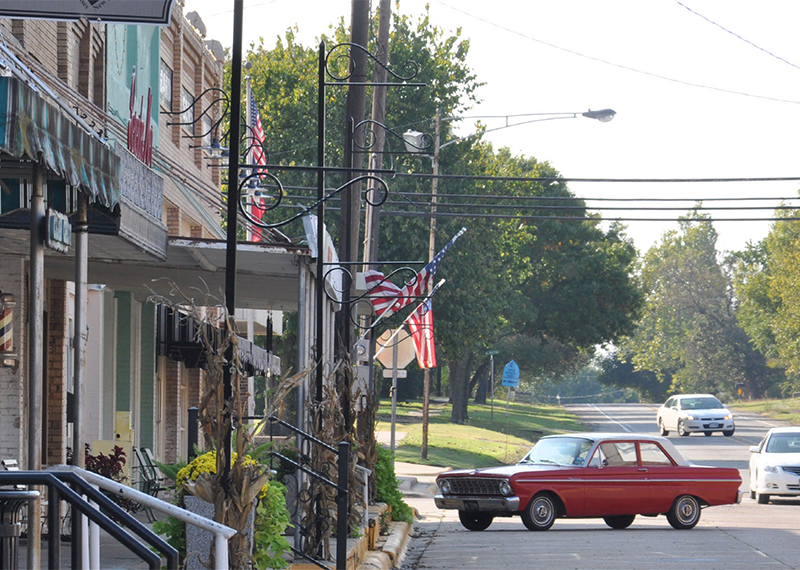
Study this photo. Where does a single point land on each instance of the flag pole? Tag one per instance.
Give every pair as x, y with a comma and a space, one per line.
248, 101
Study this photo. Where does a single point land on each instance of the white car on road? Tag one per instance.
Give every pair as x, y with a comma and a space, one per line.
694, 413
775, 465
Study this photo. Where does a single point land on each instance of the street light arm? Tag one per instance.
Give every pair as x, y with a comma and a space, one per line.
448, 143
602, 115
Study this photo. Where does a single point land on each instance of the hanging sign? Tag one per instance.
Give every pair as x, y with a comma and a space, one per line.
511, 375
58, 231
155, 12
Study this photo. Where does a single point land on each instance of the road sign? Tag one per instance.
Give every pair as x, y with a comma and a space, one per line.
511, 375
402, 343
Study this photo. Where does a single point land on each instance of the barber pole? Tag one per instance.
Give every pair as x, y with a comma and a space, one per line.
7, 354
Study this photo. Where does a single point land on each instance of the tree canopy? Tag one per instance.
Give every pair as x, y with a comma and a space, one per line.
525, 274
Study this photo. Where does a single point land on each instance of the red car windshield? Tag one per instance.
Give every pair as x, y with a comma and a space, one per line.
560, 451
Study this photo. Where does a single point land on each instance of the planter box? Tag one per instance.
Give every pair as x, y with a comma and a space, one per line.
199, 542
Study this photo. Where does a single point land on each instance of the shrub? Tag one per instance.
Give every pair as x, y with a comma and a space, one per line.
388, 489
272, 518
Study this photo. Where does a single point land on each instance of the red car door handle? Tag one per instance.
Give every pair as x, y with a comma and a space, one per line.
642, 469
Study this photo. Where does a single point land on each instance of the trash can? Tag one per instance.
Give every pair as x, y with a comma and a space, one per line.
11, 503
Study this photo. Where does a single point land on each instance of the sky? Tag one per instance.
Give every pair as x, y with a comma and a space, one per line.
703, 89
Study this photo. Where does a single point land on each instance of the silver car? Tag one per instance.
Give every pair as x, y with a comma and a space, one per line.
694, 413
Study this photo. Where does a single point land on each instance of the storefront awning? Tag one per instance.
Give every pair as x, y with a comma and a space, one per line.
30, 125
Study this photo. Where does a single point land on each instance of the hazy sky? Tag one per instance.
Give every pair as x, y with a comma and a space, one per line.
702, 88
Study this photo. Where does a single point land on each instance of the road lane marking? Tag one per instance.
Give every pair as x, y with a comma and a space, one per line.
609, 418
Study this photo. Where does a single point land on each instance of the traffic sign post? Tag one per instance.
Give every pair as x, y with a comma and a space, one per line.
510, 380
395, 353
491, 354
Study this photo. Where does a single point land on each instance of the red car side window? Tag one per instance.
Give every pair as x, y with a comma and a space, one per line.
652, 454
619, 454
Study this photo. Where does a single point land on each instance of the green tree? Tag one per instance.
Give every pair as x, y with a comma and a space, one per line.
766, 287
689, 332
559, 286
617, 369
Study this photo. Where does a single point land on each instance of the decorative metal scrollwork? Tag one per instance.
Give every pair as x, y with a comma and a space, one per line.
410, 68
221, 97
252, 208
363, 302
367, 127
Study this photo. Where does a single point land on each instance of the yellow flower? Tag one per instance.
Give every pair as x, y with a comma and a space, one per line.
206, 463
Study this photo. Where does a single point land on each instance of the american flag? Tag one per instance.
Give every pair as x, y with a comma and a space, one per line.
382, 292
420, 323
257, 145
386, 296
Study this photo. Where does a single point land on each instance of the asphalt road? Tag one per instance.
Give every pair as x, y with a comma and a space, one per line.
746, 536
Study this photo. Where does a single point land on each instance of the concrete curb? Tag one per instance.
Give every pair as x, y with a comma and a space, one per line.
390, 554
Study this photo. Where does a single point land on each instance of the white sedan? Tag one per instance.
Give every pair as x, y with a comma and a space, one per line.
775, 465
694, 413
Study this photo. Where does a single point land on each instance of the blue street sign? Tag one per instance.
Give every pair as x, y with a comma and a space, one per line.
511, 375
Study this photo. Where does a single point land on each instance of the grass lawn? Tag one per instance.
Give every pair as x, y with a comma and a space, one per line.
788, 410
490, 439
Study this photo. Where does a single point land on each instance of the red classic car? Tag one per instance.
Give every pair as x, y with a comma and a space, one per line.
583, 475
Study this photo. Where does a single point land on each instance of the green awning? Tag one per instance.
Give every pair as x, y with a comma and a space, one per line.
30, 125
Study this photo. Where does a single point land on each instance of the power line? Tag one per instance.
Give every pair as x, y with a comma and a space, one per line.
423, 214
603, 208
615, 180
734, 34
591, 218
572, 199
440, 196
617, 65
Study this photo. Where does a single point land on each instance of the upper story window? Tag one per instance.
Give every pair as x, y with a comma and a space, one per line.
165, 86
207, 134
186, 105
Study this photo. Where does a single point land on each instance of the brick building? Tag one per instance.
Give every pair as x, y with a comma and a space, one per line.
146, 223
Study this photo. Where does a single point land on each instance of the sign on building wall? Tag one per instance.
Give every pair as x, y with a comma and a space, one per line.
156, 12
129, 48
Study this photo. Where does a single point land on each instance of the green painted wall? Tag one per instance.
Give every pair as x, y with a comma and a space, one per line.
148, 377
123, 371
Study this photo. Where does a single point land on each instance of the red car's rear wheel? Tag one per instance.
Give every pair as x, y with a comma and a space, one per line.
684, 513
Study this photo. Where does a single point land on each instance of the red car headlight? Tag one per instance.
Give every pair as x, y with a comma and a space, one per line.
505, 488
444, 485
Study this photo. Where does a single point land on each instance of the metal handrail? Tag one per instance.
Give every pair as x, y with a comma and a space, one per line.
221, 532
59, 490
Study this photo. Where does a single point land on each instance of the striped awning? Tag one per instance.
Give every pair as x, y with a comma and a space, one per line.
30, 125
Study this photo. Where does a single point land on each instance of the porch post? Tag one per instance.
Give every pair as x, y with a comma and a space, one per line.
35, 358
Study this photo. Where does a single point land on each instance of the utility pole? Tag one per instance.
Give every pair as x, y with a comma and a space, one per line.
351, 202
371, 232
426, 384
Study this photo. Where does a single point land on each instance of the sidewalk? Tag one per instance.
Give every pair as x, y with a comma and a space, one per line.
417, 481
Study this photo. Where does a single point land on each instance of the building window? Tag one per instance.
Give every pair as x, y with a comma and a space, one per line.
165, 86
186, 105
207, 134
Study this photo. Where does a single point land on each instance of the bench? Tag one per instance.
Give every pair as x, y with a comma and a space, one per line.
150, 480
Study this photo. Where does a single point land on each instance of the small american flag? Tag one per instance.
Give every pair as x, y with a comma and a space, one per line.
257, 146
420, 323
386, 296
382, 292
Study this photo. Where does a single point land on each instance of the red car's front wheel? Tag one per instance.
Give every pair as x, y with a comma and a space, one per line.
475, 521
540, 513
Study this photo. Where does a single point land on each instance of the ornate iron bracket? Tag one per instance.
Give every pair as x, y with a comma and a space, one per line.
248, 202
410, 68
